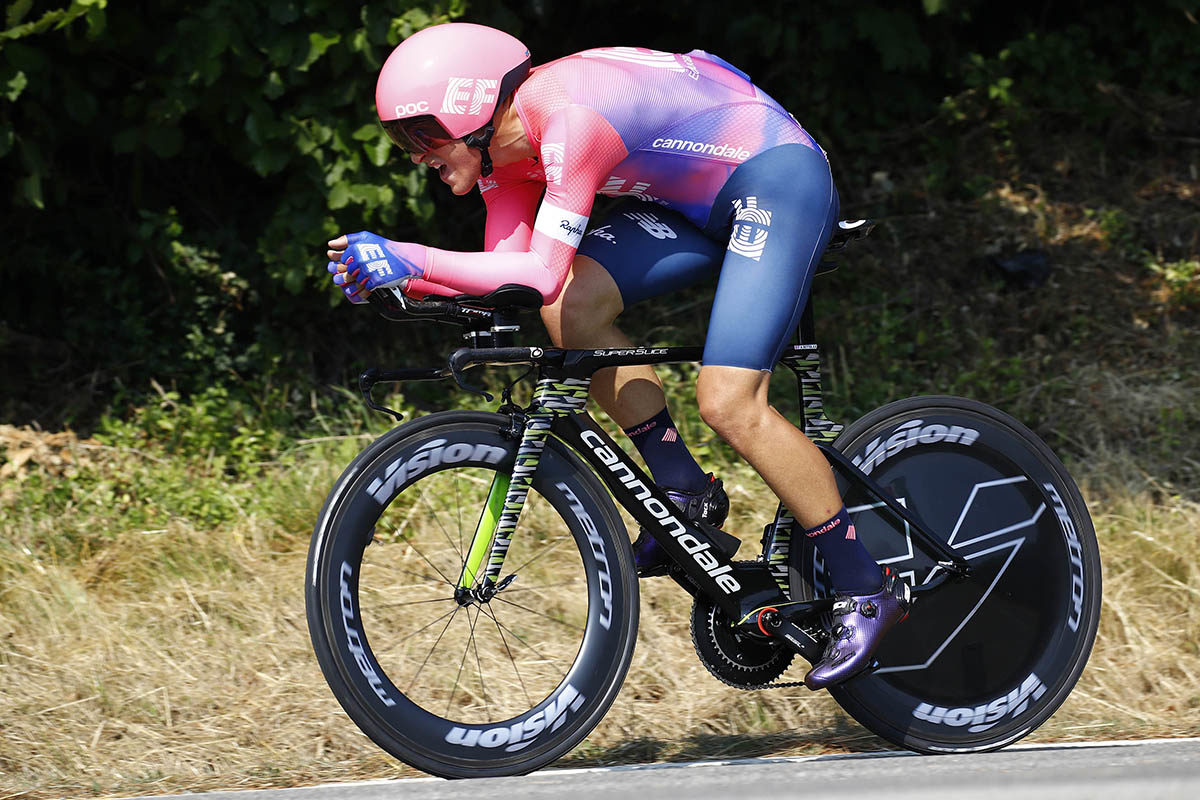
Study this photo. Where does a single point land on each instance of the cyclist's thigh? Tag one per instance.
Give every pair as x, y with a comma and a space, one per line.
650, 250
781, 207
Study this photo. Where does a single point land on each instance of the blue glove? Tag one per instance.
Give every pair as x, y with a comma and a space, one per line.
374, 262
345, 281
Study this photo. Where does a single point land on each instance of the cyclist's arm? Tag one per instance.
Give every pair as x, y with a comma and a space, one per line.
584, 147
511, 196
511, 201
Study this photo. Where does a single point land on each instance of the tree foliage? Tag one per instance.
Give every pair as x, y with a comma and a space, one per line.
170, 170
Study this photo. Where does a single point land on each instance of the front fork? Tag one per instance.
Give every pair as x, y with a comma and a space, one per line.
493, 534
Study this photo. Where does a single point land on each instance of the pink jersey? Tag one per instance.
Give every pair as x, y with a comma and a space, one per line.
668, 128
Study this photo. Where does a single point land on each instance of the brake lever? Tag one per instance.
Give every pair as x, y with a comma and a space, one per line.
366, 382
456, 367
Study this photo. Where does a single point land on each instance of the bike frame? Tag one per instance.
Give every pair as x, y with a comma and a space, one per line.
744, 591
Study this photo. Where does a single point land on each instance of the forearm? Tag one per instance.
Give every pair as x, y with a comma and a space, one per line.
480, 273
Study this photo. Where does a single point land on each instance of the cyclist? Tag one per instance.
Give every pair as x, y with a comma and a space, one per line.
719, 180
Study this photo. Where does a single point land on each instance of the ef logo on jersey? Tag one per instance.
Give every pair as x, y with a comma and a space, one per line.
751, 225
467, 95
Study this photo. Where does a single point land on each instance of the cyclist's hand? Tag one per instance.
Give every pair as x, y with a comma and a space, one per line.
343, 278
362, 262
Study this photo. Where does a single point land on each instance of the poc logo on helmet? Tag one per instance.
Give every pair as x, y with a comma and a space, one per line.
410, 109
467, 95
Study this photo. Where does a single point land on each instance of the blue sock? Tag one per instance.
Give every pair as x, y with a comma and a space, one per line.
666, 455
851, 568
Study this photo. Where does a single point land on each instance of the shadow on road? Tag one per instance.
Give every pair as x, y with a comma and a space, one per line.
841, 737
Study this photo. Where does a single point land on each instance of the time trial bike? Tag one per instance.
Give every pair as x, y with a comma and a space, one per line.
473, 603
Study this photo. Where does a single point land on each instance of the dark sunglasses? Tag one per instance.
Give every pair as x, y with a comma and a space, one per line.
417, 135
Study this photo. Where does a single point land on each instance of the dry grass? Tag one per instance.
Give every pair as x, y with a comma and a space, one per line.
179, 659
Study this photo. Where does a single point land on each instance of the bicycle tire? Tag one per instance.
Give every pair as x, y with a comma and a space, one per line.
366, 604
983, 662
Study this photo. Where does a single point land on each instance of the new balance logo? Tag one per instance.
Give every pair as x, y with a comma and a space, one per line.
651, 225
751, 225
468, 95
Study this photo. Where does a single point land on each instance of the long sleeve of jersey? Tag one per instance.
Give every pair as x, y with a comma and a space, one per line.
578, 148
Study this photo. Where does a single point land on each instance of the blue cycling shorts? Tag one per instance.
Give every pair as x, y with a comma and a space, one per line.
765, 234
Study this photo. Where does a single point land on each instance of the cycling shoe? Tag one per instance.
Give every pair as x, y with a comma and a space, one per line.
860, 623
710, 505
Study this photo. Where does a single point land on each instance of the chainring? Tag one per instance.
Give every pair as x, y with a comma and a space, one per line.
741, 660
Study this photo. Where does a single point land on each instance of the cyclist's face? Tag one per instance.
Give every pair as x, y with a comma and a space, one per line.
457, 165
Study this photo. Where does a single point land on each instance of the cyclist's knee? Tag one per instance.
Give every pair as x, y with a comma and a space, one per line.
732, 401
589, 302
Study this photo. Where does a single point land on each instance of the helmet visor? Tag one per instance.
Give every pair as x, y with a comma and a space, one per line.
417, 135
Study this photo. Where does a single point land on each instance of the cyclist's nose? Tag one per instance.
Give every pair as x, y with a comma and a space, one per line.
417, 158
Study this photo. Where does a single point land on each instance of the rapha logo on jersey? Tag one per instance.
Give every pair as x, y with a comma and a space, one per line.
672, 62
616, 186
987, 715
604, 233
411, 109
698, 550
553, 156
651, 225
910, 434
751, 225
521, 734
558, 223
732, 152
468, 95
429, 455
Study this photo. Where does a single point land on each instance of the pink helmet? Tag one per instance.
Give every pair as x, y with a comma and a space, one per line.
445, 82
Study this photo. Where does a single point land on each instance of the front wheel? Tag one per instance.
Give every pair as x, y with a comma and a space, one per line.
461, 683
981, 662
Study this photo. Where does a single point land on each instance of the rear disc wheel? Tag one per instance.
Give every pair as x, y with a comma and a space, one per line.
982, 662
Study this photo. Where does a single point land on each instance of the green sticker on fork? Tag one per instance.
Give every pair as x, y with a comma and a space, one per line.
481, 543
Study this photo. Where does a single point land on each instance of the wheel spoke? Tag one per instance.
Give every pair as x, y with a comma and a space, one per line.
514, 589
512, 659
562, 622
463, 662
451, 614
438, 519
496, 618
542, 553
430, 563
413, 603
479, 667
458, 509
381, 566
